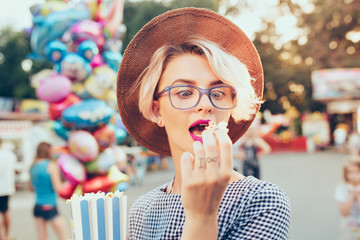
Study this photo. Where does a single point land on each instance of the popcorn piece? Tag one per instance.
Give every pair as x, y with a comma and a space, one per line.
221, 126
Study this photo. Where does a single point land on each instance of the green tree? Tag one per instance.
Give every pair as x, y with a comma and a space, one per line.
324, 42
137, 14
14, 80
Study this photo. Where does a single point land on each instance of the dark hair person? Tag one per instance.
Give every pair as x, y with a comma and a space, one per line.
46, 182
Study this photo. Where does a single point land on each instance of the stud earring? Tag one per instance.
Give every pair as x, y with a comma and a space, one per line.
159, 123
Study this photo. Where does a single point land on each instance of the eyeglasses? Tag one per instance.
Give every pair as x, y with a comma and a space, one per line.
185, 97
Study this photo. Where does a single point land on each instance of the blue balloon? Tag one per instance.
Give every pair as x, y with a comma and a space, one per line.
119, 123
113, 59
60, 130
120, 134
87, 114
122, 186
53, 26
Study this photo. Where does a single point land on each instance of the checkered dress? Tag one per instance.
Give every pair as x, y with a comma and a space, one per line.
250, 209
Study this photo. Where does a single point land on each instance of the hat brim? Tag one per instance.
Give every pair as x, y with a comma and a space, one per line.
177, 26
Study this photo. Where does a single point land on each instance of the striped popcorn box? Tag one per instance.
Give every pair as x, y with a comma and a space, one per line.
98, 216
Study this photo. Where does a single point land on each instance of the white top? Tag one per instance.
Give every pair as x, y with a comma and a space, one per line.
7, 172
349, 225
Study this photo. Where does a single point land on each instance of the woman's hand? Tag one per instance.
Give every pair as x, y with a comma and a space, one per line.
205, 177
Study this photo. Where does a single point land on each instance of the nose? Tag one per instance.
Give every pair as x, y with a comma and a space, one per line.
204, 104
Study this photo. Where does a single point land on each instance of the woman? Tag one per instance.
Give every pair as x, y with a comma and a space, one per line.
183, 69
46, 182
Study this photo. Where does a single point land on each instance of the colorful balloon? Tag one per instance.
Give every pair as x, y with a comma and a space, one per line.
56, 109
67, 190
72, 169
105, 137
54, 88
106, 160
88, 114
98, 183
83, 145
60, 130
100, 84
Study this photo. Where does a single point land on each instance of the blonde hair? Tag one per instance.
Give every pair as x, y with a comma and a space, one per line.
226, 67
352, 160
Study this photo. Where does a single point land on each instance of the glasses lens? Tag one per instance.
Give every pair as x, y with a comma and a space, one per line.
183, 97
223, 97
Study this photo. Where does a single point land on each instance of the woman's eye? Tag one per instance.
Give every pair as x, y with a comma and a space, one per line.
185, 93
217, 94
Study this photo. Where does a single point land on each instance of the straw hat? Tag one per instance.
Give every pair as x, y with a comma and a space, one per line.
177, 26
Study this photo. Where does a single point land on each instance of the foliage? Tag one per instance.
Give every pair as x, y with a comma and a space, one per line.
137, 14
14, 80
322, 44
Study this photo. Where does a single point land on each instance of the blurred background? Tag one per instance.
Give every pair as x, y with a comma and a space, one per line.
310, 50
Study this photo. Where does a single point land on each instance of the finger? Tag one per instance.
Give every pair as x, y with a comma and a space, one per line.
186, 166
199, 156
210, 149
225, 150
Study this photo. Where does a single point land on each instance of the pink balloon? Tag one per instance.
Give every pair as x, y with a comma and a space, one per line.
54, 88
72, 169
83, 145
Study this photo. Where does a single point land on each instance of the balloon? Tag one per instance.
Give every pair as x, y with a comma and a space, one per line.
56, 109
120, 135
54, 88
92, 167
100, 84
53, 26
57, 151
86, 30
75, 67
113, 59
72, 169
105, 137
122, 186
106, 160
67, 190
60, 130
98, 183
89, 113
119, 123
83, 145
117, 176
121, 158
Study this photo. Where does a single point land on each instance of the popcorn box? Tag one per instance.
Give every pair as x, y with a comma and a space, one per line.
99, 216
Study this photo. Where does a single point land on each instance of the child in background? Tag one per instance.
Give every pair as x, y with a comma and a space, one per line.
348, 197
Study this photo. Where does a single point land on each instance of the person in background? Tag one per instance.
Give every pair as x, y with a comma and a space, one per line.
7, 188
347, 194
353, 143
46, 182
251, 147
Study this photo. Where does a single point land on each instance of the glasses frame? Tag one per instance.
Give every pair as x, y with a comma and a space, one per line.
202, 92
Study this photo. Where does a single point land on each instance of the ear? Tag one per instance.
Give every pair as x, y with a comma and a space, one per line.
155, 108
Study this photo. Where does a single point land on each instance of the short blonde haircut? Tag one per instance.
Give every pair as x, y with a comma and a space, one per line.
226, 67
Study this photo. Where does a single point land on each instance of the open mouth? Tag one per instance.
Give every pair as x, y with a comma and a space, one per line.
197, 128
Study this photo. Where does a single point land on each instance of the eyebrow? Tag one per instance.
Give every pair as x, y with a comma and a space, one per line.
188, 81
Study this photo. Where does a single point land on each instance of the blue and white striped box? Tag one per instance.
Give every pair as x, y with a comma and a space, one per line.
99, 216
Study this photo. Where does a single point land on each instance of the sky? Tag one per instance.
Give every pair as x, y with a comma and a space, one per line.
16, 13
